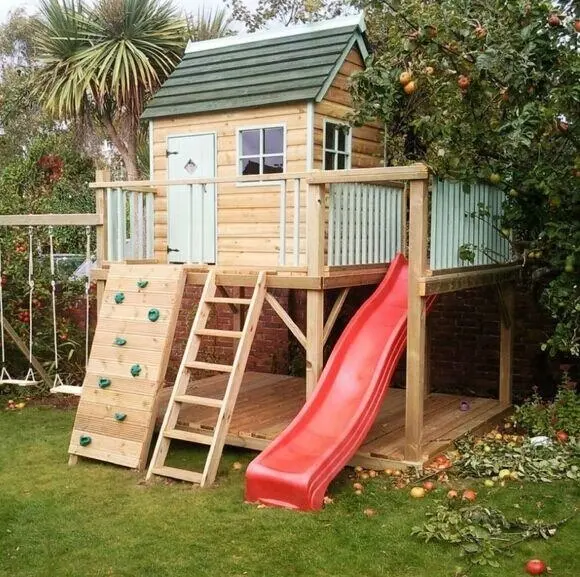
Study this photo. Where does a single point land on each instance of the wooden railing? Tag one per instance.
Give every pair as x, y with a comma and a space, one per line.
129, 223
325, 218
364, 223
466, 227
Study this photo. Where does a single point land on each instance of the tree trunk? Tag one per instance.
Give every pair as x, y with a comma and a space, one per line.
127, 150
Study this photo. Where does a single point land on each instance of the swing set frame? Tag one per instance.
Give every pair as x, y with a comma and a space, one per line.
34, 221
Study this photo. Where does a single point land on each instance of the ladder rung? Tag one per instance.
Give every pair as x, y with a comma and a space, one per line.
219, 333
181, 474
202, 401
188, 436
209, 367
229, 301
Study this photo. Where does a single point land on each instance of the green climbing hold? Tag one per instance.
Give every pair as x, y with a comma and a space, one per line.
104, 383
120, 341
153, 315
84, 440
142, 283
119, 298
120, 417
136, 370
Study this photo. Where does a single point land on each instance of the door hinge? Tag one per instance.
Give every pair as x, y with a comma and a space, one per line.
170, 152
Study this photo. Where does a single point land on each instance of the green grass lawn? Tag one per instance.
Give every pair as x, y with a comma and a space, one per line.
100, 520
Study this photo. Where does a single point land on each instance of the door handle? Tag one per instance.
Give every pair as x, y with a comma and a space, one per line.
169, 249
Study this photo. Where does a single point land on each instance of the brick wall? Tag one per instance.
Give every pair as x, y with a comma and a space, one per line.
463, 340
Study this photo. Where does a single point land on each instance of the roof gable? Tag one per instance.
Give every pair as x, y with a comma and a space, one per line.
292, 65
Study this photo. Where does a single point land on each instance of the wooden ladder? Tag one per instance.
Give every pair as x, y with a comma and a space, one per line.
179, 396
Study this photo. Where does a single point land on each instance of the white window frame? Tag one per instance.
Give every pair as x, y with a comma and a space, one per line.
261, 155
348, 150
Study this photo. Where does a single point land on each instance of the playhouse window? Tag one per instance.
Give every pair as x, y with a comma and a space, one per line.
337, 143
261, 151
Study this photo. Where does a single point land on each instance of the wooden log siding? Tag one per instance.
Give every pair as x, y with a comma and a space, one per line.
364, 224
130, 217
461, 218
367, 141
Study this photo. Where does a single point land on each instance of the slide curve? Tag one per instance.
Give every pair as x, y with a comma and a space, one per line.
295, 469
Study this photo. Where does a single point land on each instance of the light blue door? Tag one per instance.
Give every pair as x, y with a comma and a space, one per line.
191, 209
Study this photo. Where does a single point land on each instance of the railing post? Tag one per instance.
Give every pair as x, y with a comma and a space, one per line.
417, 372
101, 208
314, 298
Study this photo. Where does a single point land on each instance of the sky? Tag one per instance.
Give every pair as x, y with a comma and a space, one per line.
6, 6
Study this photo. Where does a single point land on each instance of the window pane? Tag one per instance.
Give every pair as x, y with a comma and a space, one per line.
250, 142
342, 136
273, 141
341, 161
273, 164
330, 133
250, 166
329, 160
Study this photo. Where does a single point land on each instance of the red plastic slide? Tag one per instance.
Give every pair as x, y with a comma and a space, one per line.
295, 470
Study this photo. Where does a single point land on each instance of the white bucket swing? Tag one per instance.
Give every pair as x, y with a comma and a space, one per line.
30, 378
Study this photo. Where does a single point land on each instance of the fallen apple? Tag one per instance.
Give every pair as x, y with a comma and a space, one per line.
562, 436
428, 486
417, 492
536, 567
469, 495
488, 483
452, 494
357, 487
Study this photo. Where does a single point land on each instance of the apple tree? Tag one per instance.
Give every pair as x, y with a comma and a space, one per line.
488, 89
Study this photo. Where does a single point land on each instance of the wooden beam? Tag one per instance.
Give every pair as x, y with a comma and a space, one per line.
405, 221
26, 352
445, 283
416, 321
51, 220
102, 210
504, 306
506, 346
381, 174
292, 326
335, 311
314, 338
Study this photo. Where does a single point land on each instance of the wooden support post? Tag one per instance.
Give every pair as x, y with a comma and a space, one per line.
100, 294
506, 295
315, 220
26, 352
416, 321
333, 316
102, 211
404, 220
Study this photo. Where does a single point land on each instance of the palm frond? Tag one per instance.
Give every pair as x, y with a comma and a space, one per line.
209, 24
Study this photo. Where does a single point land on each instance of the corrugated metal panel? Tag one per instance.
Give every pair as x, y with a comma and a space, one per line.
273, 71
460, 219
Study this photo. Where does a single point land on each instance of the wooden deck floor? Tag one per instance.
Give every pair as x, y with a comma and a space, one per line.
267, 403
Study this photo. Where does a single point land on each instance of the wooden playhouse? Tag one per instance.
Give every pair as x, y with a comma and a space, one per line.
259, 183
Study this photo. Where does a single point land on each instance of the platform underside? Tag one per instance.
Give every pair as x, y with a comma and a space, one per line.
267, 403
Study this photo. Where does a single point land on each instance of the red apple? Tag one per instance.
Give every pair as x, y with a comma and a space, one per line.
536, 567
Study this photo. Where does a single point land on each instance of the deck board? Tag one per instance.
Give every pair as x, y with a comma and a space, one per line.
268, 403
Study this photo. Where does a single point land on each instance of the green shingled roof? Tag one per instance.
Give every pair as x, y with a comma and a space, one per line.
244, 72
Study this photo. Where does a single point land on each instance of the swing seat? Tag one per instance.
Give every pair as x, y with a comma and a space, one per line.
19, 382
28, 381
67, 390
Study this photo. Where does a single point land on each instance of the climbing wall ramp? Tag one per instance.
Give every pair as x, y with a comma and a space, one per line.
127, 364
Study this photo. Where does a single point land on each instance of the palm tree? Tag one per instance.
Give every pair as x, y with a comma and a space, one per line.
103, 61
206, 25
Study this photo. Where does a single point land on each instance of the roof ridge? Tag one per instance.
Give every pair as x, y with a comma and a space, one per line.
334, 23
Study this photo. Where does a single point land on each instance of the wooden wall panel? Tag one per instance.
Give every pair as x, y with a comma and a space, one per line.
240, 208
367, 141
